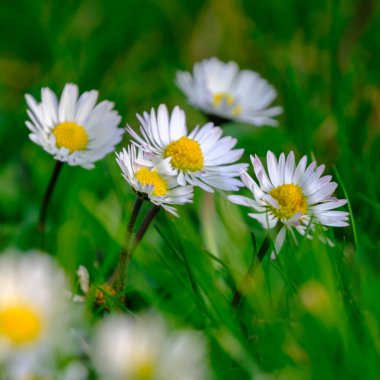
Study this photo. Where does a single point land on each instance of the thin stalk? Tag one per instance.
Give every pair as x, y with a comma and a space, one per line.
124, 253
143, 228
251, 270
46, 199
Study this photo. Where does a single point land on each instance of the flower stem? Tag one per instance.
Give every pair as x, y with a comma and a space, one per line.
246, 281
124, 253
143, 228
46, 199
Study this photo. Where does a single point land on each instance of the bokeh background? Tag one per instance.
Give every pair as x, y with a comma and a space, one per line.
322, 57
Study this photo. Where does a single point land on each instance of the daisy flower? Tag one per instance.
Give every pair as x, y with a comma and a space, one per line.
34, 314
156, 183
74, 130
134, 349
293, 197
201, 158
221, 89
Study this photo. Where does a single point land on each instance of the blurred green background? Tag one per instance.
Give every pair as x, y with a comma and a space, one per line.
322, 57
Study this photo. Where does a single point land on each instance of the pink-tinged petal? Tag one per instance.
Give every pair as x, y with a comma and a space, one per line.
300, 170
328, 205
273, 202
308, 172
322, 193
261, 175
242, 201
281, 168
289, 168
272, 169
294, 220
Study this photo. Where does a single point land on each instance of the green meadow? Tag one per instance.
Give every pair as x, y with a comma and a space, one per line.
314, 312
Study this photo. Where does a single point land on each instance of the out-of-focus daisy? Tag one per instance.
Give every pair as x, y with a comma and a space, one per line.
34, 314
72, 129
156, 183
293, 197
143, 349
221, 89
201, 158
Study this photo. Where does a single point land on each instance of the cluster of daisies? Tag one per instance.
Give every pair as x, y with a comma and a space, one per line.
163, 163
165, 160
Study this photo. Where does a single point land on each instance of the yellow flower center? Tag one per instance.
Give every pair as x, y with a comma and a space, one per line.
70, 135
144, 370
219, 97
20, 324
152, 178
186, 154
228, 99
291, 200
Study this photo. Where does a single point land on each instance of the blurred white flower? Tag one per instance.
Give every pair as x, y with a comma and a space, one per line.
201, 158
295, 197
221, 89
143, 349
157, 183
74, 130
35, 314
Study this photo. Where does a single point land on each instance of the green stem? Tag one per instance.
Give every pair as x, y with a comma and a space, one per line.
46, 199
124, 253
143, 228
237, 298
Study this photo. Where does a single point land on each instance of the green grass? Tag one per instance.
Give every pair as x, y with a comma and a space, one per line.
322, 56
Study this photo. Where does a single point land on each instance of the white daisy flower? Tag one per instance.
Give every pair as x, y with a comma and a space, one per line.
74, 130
135, 349
201, 158
294, 197
34, 314
157, 183
221, 89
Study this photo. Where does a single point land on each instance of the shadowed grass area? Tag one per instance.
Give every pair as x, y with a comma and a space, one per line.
312, 313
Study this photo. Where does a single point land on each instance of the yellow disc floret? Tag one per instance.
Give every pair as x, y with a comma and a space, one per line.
236, 111
70, 135
152, 178
186, 154
291, 200
20, 324
224, 97
143, 370
219, 97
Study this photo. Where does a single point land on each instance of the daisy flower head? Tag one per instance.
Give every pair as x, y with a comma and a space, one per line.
221, 89
74, 130
156, 182
293, 197
143, 348
201, 158
34, 314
